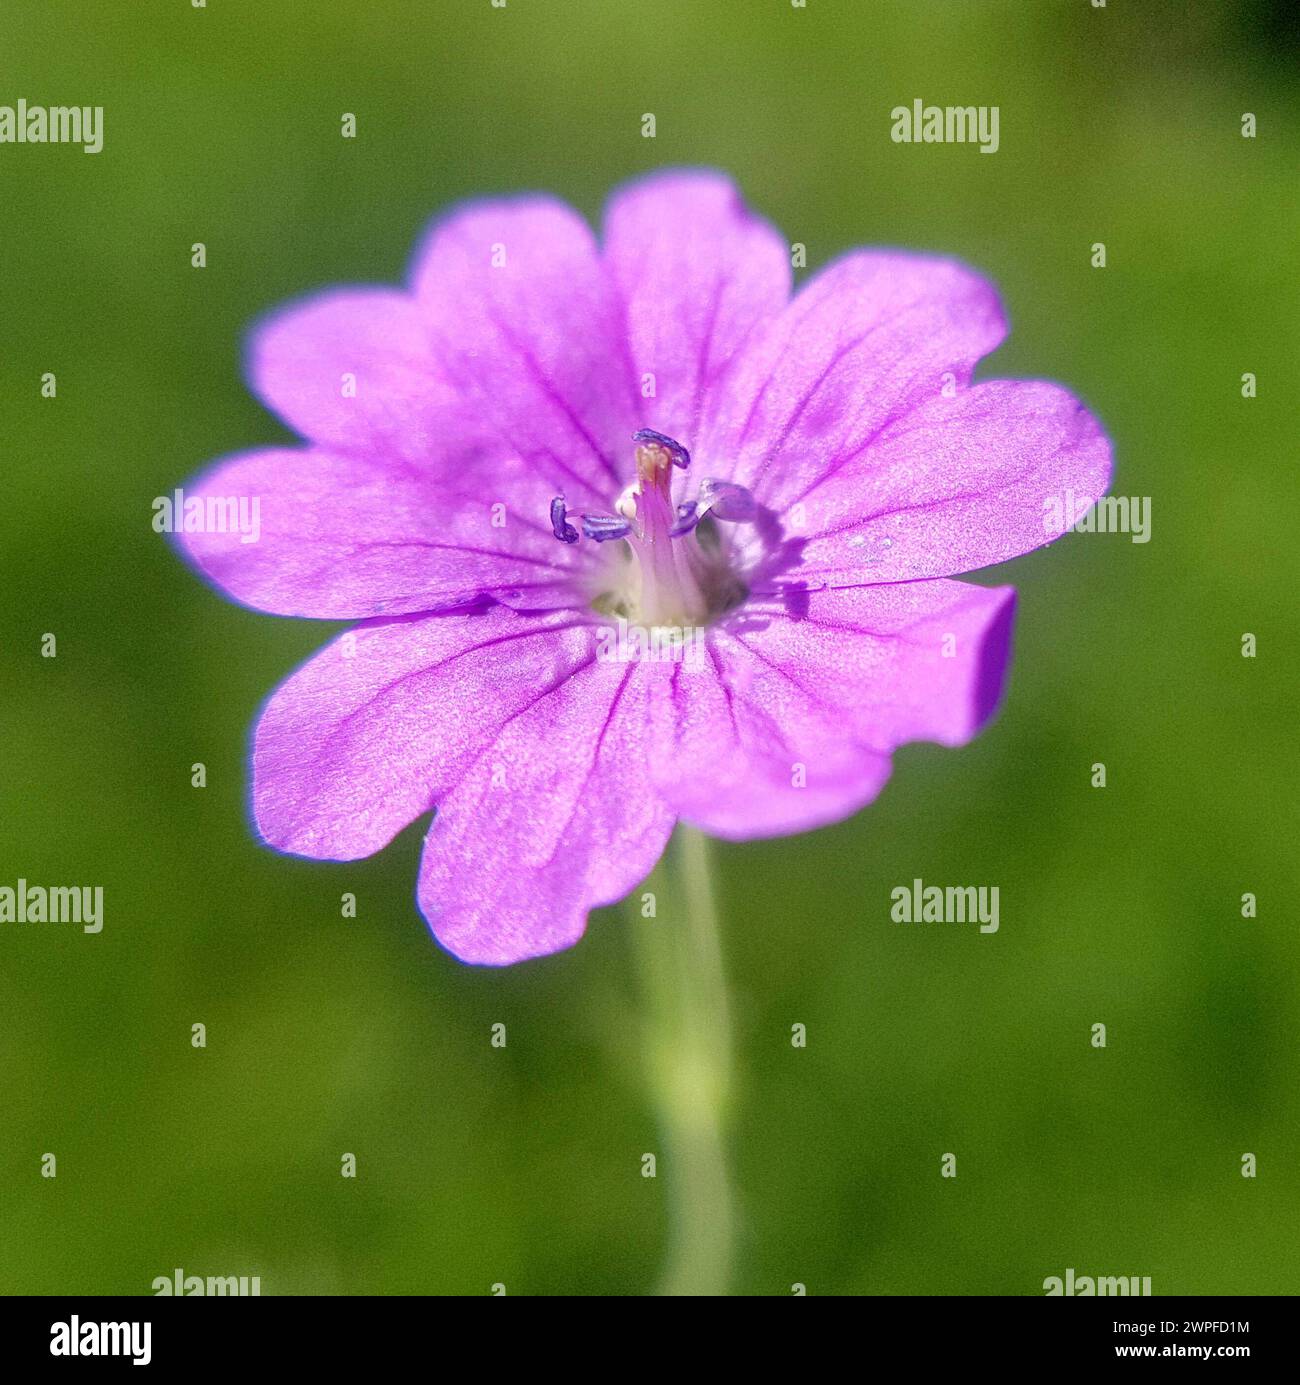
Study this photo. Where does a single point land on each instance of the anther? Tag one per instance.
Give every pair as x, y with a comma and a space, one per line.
560, 527
726, 500
679, 455
602, 528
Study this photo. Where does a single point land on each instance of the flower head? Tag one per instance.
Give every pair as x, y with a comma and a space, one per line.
543, 436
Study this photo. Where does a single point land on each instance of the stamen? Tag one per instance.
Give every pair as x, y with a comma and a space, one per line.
726, 500
687, 519
722, 499
667, 576
677, 453
560, 527
602, 528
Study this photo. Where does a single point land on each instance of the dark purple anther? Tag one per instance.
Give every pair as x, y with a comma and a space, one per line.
560, 527
681, 457
726, 500
687, 519
602, 528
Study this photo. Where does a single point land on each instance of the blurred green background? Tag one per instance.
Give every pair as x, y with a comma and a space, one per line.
325, 1035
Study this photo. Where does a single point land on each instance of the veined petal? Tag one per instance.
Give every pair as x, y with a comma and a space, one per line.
372, 730
790, 723
957, 484
344, 537
556, 817
528, 325
352, 370
863, 343
698, 272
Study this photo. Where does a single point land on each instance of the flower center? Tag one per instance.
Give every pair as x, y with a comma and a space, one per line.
674, 566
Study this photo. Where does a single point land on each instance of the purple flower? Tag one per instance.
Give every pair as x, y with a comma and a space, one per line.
543, 440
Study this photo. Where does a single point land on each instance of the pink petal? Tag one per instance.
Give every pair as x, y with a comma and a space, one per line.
352, 370
369, 733
345, 537
824, 699
864, 342
956, 485
698, 272
528, 324
557, 816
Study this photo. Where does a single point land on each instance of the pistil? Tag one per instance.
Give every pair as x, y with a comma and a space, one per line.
671, 580
670, 593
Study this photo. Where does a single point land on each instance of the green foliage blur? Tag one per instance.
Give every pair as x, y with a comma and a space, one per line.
521, 1165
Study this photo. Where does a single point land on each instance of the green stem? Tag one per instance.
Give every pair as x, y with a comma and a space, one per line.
688, 1055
